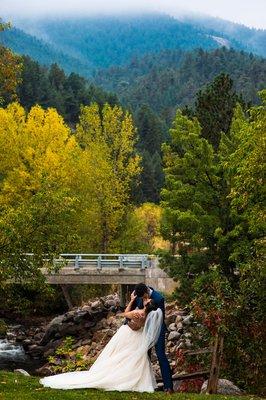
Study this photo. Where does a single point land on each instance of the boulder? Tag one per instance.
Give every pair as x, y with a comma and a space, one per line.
35, 351
51, 329
96, 304
174, 335
22, 372
225, 387
187, 320
179, 325
172, 327
178, 319
44, 370
169, 319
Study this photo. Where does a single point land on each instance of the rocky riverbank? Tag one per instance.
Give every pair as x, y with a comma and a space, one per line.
92, 326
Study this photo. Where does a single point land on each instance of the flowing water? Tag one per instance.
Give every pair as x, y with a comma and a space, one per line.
12, 356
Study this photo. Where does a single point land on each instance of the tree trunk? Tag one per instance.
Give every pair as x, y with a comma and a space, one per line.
215, 364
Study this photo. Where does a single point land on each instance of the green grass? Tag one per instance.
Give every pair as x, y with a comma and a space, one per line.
18, 387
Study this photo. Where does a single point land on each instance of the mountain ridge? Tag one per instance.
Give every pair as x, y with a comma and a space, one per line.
84, 45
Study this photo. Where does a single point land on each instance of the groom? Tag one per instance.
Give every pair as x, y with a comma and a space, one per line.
143, 293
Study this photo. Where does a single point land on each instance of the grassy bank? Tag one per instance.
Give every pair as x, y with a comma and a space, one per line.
18, 387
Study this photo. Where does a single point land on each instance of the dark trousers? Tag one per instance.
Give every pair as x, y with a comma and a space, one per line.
164, 363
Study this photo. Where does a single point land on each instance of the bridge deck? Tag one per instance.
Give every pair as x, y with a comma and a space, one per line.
97, 269
94, 276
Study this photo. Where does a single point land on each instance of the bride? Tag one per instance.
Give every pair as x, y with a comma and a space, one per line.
123, 364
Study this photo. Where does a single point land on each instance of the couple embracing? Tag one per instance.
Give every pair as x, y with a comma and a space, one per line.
124, 364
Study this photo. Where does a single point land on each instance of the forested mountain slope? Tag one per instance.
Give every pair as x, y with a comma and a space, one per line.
51, 87
254, 39
101, 42
171, 79
45, 53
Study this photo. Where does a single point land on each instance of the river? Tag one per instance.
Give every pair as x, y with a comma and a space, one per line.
12, 356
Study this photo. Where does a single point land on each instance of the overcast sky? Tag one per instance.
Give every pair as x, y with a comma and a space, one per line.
248, 12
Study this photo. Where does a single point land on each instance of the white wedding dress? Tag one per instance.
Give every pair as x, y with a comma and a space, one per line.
123, 365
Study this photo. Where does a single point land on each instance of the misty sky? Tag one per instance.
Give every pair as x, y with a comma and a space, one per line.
248, 12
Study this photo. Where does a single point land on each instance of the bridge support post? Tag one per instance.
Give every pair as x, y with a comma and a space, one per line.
123, 295
67, 296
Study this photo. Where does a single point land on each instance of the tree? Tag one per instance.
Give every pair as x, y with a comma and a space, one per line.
37, 202
151, 179
141, 232
10, 71
150, 130
215, 107
108, 141
50, 87
214, 217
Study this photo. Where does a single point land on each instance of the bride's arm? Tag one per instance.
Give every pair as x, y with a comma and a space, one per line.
128, 313
130, 304
131, 314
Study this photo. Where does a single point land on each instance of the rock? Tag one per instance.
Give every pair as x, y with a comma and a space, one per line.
84, 350
110, 303
187, 320
225, 387
188, 343
90, 324
35, 350
48, 353
16, 327
169, 319
3, 328
51, 329
86, 308
20, 338
80, 316
51, 346
173, 335
84, 342
44, 370
179, 325
37, 337
27, 342
96, 304
178, 319
68, 316
70, 328
22, 371
170, 307
172, 327
10, 336
99, 336
180, 345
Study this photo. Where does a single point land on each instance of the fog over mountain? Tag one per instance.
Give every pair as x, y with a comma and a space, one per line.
250, 13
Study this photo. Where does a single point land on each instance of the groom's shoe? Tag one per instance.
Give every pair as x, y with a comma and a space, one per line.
168, 391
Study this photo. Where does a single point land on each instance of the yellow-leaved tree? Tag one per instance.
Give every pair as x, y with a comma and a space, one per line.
108, 139
37, 200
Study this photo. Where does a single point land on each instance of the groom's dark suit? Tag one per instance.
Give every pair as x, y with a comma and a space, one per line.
160, 345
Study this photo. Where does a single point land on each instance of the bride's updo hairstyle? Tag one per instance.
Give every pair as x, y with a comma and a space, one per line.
150, 306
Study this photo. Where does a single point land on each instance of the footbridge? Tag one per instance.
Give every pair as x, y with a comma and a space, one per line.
124, 270
106, 269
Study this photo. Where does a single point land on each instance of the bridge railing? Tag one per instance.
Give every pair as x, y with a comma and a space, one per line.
100, 261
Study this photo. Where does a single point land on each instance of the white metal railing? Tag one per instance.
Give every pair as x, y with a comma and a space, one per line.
100, 261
